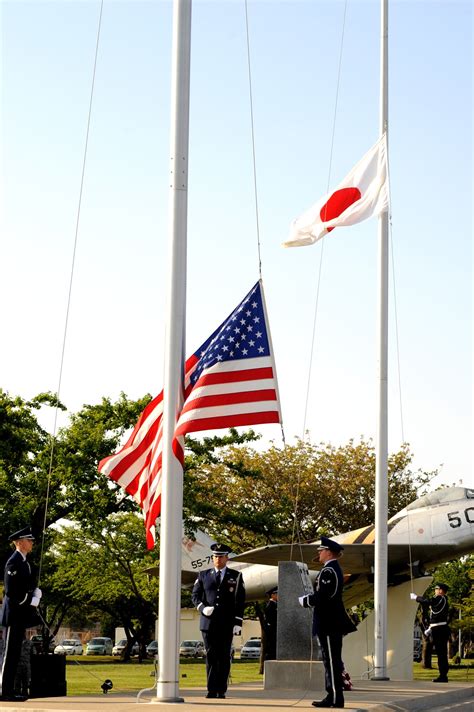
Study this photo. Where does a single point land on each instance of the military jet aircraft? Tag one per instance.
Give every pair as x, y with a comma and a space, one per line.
435, 528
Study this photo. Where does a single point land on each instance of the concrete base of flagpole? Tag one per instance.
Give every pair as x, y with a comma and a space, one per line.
167, 692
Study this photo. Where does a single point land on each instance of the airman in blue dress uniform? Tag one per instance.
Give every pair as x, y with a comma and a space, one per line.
439, 627
270, 618
330, 619
219, 596
20, 601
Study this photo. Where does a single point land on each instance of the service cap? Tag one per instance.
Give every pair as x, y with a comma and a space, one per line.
24, 533
443, 586
271, 591
221, 550
330, 544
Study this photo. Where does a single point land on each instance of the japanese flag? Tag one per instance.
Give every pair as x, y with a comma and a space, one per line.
362, 193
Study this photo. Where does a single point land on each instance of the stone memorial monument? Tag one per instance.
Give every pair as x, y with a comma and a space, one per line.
297, 665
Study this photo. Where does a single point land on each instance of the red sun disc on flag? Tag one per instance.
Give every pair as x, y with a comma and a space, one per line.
339, 201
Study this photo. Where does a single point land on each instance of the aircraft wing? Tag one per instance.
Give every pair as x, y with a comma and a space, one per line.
357, 559
187, 577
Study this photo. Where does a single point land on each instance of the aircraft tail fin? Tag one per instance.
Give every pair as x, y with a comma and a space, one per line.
196, 554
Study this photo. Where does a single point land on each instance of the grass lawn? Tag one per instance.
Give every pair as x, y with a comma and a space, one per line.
86, 677
459, 673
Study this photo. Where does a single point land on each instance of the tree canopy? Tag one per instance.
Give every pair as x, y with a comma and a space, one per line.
38, 472
254, 498
247, 495
102, 570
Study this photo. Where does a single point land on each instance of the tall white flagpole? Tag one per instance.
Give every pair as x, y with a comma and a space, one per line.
381, 468
172, 472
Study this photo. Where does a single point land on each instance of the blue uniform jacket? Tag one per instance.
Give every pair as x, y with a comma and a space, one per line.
330, 615
228, 600
19, 584
439, 608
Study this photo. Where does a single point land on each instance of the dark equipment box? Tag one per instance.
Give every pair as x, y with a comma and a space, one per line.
48, 676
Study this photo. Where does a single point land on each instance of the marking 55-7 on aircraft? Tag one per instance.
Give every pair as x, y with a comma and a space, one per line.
435, 528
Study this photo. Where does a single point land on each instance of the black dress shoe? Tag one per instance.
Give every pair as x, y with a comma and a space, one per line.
440, 679
14, 698
327, 702
211, 695
221, 695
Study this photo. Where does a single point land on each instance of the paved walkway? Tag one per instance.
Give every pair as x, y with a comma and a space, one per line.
391, 696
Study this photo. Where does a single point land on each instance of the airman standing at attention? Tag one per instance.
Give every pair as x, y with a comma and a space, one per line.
438, 628
270, 616
219, 596
330, 620
19, 606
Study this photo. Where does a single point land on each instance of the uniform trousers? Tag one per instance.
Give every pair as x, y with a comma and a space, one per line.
440, 635
271, 645
331, 650
14, 636
218, 644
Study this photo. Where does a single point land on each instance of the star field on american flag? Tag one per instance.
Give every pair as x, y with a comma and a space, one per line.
229, 381
243, 335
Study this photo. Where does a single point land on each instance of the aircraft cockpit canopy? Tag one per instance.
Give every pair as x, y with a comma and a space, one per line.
449, 494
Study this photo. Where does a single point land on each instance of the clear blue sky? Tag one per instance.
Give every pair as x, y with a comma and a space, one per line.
116, 328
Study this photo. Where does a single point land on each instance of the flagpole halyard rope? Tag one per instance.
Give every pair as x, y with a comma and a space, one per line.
69, 298
397, 341
253, 143
396, 330
316, 308
318, 283
336, 100
254, 163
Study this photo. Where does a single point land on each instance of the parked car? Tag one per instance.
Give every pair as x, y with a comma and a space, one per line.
251, 649
192, 649
71, 646
99, 646
37, 643
122, 644
152, 649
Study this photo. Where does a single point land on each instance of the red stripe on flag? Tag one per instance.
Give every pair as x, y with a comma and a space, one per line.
225, 385
223, 399
251, 374
221, 377
229, 421
130, 459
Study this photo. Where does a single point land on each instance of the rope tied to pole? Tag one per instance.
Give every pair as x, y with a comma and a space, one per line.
69, 297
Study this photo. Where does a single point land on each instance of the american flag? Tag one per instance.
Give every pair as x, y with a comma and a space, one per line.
229, 381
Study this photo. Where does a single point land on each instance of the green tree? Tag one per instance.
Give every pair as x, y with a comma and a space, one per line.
38, 472
102, 570
231, 490
254, 498
459, 576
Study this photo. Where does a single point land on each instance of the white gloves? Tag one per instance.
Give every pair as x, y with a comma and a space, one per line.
237, 630
207, 611
36, 598
301, 600
413, 596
